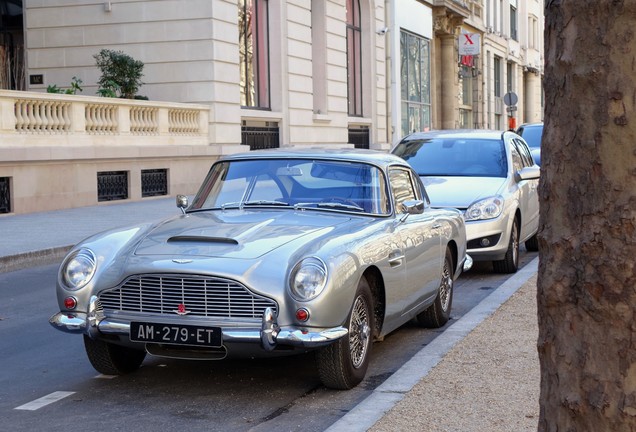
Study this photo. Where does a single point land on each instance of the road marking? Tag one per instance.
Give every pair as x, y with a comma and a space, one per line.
45, 400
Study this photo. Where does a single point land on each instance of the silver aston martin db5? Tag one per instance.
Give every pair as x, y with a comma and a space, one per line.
280, 252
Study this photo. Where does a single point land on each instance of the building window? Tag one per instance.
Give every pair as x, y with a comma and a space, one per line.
497, 76
466, 72
532, 32
510, 71
415, 71
254, 53
354, 59
319, 56
513, 20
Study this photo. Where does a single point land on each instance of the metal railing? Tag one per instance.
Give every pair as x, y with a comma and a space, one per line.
359, 137
260, 137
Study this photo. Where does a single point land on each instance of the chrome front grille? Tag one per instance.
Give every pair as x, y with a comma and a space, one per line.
186, 294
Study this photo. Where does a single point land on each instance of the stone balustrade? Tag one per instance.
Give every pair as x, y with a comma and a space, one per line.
55, 149
51, 114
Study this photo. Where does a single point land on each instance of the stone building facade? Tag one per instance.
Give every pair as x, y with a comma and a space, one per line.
275, 73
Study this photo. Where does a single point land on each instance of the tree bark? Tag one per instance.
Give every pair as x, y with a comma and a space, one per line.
587, 237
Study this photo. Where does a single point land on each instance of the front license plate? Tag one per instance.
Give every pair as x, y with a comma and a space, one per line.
175, 334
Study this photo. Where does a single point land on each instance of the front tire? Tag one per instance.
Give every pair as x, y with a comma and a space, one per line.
438, 313
510, 263
111, 359
343, 364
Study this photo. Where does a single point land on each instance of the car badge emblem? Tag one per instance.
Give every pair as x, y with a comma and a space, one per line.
182, 261
181, 310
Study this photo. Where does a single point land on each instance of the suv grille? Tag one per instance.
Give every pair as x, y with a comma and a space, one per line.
201, 295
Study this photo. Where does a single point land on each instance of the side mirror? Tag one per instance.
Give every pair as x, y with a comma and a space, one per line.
182, 202
528, 173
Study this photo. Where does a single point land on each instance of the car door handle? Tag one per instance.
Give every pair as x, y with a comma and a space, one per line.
436, 225
396, 258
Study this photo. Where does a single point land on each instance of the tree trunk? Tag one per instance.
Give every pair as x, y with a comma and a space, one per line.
587, 282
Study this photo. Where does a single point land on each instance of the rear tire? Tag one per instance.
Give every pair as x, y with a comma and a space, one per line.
438, 313
532, 244
510, 263
343, 364
111, 359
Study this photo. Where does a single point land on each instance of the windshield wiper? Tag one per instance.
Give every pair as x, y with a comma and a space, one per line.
337, 205
265, 202
330, 205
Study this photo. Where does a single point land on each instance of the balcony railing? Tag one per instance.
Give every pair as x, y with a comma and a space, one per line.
55, 114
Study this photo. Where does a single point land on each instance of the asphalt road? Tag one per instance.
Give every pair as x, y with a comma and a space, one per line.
47, 383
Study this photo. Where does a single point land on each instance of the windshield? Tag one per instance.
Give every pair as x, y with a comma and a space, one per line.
455, 156
295, 183
532, 135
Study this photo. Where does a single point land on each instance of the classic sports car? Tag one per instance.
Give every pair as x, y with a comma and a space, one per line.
280, 252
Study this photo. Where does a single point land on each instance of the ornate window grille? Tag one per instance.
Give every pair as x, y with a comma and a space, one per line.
112, 185
154, 182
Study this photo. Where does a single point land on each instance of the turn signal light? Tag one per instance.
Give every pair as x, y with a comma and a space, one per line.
70, 303
302, 314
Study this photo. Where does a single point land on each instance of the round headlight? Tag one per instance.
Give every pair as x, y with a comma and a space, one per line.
308, 279
78, 269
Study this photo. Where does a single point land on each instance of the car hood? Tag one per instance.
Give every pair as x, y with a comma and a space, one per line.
233, 233
460, 192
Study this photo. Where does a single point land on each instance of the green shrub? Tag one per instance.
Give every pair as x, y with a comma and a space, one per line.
75, 87
121, 74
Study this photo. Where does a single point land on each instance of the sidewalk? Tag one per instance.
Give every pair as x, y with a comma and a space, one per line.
481, 374
43, 238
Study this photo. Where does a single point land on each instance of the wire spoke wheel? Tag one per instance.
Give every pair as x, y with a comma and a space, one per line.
359, 332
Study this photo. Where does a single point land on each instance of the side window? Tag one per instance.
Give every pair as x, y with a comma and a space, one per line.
517, 163
402, 187
525, 153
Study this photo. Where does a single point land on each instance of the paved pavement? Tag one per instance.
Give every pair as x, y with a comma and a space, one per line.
478, 375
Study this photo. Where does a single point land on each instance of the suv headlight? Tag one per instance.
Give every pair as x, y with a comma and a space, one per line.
308, 279
488, 208
78, 269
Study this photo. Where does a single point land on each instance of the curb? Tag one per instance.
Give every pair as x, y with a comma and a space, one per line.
31, 259
364, 415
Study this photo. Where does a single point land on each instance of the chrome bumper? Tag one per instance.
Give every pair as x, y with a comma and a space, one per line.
268, 335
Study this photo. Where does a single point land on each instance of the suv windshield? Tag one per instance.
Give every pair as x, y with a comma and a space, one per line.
468, 157
531, 134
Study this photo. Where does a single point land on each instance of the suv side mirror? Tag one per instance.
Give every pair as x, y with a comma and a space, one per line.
528, 173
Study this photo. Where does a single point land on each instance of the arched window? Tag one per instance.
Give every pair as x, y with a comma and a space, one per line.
354, 60
254, 53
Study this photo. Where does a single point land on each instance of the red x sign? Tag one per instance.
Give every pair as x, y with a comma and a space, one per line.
469, 43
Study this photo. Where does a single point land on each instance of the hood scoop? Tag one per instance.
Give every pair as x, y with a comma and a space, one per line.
202, 239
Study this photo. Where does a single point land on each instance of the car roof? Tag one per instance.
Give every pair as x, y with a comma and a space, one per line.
356, 155
531, 125
458, 133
